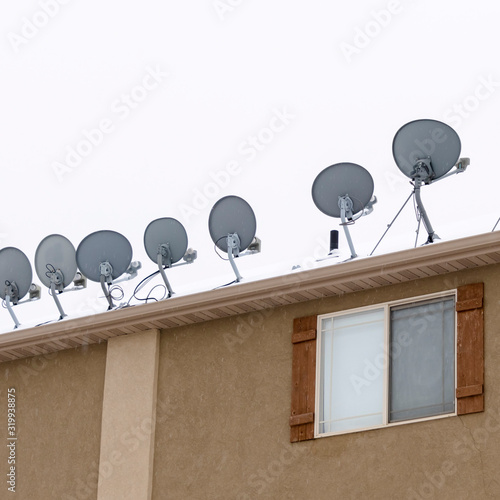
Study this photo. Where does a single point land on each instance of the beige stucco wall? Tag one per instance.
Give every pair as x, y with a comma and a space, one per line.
129, 410
223, 406
58, 409
224, 403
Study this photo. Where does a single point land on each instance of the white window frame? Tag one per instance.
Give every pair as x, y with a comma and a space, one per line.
387, 308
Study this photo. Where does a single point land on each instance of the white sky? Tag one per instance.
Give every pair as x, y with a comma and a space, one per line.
179, 88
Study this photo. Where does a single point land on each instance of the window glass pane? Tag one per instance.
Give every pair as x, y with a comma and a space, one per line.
352, 371
422, 354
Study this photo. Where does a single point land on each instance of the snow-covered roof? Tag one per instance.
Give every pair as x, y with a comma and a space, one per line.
256, 294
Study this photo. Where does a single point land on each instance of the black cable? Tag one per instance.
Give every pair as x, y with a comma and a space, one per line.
141, 285
148, 297
47, 322
215, 247
50, 270
222, 286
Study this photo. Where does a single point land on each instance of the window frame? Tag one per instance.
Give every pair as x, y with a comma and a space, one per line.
387, 327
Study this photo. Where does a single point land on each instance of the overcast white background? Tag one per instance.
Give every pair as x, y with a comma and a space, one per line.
346, 76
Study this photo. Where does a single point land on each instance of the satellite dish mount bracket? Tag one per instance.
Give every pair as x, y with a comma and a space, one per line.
106, 271
57, 286
11, 295
346, 216
164, 258
423, 170
166, 254
423, 173
417, 184
233, 250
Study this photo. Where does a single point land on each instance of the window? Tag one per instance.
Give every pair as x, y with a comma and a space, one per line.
351, 369
388, 364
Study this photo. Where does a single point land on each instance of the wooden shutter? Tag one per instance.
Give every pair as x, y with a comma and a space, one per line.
303, 378
470, 349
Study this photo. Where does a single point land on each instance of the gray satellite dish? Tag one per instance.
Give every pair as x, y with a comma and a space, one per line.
232, 227
426, 151
104, 256
339, 180
15, 277
169, 232
166, 243
55, 265
344, 190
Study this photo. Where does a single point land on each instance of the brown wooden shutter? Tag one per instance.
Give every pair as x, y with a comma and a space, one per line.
303, 378
470, 349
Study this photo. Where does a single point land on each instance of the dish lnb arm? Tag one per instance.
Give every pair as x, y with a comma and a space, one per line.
460, 167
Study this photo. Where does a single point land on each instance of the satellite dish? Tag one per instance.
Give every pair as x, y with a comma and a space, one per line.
343, 190
15, 277
102, 257
169, 232
339, 180
232, 225
56, 251
166, 243
426, 151
230, 215
103, 246
55, 265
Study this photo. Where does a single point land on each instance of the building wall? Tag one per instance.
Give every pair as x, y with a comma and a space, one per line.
224, 404
223, 407
58, 421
